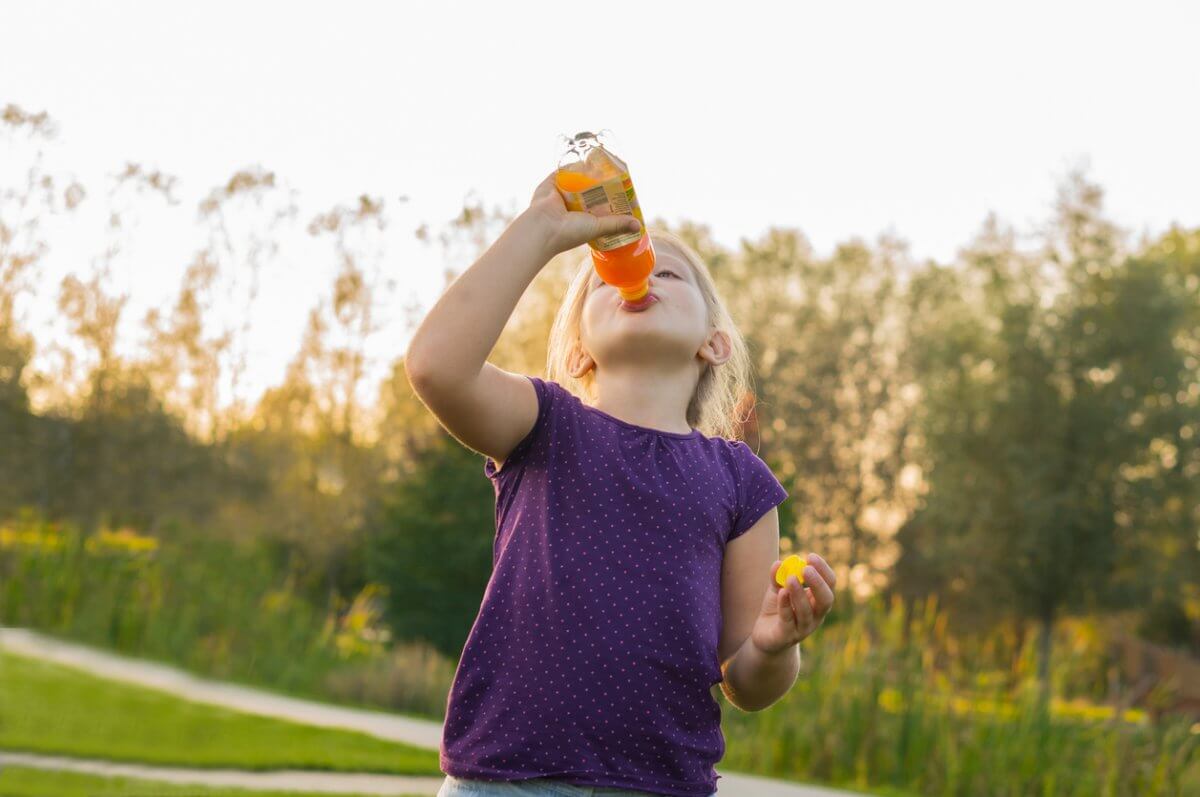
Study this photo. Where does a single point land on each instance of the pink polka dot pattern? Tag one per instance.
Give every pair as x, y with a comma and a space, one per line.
595, 649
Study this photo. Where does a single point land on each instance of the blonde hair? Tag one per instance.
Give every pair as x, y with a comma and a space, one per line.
721, 401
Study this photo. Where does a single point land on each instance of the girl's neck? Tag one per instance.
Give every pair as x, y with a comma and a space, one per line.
656, 400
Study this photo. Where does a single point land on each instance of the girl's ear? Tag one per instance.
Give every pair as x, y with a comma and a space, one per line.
579, 362
717, 348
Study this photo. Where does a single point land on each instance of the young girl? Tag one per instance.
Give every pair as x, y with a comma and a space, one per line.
635, 551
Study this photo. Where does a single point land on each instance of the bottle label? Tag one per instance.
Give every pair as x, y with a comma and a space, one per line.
609, 198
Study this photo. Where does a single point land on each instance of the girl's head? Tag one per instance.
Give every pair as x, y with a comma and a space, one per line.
688, 333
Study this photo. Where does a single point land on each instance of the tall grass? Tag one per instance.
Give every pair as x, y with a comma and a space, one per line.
873, 707
197, 603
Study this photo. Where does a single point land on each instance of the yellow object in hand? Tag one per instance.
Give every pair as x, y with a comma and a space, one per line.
792, 566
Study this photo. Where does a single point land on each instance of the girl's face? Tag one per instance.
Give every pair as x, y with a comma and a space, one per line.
672, 330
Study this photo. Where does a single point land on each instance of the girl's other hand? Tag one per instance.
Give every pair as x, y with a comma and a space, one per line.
791, 613
566, 229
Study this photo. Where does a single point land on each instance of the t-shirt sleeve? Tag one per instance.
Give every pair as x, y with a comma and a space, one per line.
757, 489
547, 396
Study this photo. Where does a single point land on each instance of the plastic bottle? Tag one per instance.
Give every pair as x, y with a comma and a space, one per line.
592, 179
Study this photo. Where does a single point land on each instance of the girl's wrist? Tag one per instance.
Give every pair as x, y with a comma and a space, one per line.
536, 228
775, 654
757, 678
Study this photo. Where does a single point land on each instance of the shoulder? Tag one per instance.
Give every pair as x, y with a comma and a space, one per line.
750, 471
735, 452
550, 394
731, 455
557, 406
552, 424
549, 387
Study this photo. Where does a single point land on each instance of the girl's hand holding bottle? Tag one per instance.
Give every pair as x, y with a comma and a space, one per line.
793, 612
564, 229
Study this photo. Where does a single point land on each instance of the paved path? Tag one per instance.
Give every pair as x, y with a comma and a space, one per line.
392, 727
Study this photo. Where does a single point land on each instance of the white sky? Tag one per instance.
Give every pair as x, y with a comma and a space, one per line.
841, 119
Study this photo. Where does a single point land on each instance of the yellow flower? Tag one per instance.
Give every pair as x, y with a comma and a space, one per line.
124, 539
791, 566
29, 538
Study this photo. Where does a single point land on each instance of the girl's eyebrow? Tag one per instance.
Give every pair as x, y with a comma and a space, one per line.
687, 275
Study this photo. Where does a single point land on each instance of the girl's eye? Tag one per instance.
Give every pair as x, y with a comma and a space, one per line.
665, 271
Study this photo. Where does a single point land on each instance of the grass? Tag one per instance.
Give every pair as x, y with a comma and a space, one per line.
1190, 780
30, 782
871, 712
48, 708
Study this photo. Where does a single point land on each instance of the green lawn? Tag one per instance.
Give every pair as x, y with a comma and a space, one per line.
27, 782
48, 708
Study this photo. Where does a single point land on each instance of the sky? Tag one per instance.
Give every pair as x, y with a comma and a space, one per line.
839, 119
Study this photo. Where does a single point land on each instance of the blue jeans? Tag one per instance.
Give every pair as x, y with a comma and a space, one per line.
540, 787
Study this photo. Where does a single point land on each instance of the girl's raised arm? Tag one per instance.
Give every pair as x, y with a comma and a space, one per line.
487, 408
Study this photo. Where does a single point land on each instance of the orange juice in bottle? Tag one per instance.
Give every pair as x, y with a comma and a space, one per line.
592, 179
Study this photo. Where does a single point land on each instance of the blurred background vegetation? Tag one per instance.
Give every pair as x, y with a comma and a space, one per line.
998, 454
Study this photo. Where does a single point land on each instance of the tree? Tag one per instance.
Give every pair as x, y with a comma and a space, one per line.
431, 543
25, 202
1047, 379
244, 216
825, 336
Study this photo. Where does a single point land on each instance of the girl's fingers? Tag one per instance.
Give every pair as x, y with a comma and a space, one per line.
822, 594
783, 603
824, 569
799, 601
613, 225
545, 186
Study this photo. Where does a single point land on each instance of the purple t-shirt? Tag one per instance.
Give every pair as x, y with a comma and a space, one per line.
594, 653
